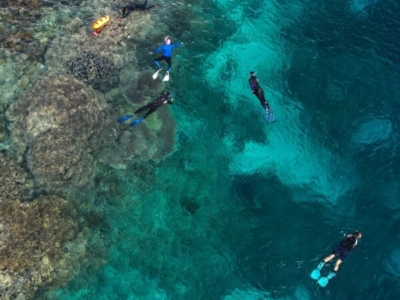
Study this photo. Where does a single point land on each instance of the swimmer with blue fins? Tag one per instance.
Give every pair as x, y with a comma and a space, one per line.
341, 252
259, 93
164, 98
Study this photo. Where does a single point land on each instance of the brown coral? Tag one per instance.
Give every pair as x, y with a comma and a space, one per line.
100, 72
57, 161
36, 247
58, 121
58, 102
15, 181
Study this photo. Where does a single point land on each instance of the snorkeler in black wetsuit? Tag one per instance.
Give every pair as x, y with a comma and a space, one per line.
258, 91
164, 98
140, 7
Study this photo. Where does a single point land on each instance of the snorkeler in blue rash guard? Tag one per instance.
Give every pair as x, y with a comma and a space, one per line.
166, 53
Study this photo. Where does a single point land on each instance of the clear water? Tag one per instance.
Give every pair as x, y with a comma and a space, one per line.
245, 210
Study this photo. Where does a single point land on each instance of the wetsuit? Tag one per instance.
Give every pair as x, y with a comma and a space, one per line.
166, 54
344, 248
152, 106
140, 7
258, 91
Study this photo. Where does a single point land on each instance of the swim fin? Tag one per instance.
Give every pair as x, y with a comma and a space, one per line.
136, 122
155, 75
316, 273
124, 118
269, 116
166, 77
324, 280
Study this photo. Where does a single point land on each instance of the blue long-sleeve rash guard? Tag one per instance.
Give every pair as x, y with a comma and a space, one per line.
167, 49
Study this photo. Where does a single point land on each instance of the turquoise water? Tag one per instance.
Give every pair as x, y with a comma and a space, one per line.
239, 209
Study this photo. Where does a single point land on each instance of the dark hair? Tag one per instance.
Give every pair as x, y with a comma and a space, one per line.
356, 233
252, 73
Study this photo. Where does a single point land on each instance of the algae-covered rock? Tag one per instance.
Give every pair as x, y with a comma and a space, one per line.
15, 181
35, 250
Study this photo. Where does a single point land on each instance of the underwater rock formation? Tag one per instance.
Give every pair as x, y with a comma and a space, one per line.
37, 239
15, 181
96, 70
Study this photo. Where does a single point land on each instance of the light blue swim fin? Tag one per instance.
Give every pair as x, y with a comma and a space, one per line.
317, 272
324, 280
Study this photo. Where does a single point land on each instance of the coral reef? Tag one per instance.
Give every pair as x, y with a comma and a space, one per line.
22, 41
17, 11
16, 35
152, 140
96, 70
37, 240
57, 102
104, 61
15, 181
59, 121
57, 161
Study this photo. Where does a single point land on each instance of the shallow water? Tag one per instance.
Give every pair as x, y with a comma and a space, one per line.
242, 209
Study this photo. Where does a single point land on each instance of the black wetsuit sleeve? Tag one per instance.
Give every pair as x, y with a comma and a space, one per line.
141, 8
127, 10
150, 7
160, 101
147, 106
153, 106
253, 83
258, 91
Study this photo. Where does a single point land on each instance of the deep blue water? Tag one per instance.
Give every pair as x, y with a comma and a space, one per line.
243, 209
